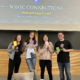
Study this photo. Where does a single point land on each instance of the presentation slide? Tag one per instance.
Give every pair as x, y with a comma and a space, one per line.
40, 11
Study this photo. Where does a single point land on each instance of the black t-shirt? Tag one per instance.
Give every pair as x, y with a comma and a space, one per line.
63, 56
17, 53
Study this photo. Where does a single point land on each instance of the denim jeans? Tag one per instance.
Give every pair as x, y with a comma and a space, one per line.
65, 66
31, 64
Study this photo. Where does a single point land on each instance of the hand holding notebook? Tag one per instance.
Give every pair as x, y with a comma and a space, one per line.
57, 49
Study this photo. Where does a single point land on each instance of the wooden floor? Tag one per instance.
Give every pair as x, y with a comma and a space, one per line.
74, 60
55, 77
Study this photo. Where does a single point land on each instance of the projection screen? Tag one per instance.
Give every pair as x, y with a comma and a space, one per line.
40, 15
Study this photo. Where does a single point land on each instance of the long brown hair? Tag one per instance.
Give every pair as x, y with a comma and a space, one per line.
28, 40
41, 44
21, 42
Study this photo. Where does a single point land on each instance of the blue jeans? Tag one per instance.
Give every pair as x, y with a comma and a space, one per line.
31, 64
65, 66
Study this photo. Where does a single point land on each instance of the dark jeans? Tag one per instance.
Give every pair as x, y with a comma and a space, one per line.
65, 66
13, 65
48, 64
31, 64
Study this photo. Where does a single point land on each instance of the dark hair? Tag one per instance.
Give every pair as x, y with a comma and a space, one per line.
28, 40
21, 42
61, 32
41, 44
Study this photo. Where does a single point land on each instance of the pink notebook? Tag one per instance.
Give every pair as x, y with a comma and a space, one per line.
47, 43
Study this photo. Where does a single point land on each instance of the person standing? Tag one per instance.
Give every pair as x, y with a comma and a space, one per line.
30, 46
14, 55
45, 50
63, 57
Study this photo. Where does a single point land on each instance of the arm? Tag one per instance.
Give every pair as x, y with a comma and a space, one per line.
25, 46
9, 49
51, 47
35, 46
67, 50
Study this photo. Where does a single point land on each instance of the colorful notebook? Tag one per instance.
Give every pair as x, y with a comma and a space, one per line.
57, 49
32, 42
47, 43
15, 43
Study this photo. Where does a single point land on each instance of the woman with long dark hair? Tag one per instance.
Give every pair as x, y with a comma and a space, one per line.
45, 50
15, 51
30, 46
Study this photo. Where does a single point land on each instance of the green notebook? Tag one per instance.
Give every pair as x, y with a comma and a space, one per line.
57, 49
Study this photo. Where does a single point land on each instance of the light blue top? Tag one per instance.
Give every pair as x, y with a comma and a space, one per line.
30, 49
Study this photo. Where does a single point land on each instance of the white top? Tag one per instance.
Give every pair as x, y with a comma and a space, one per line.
30, 49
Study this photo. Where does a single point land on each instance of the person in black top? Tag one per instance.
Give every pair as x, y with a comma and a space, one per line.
63, 58
17, 52
14, 56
